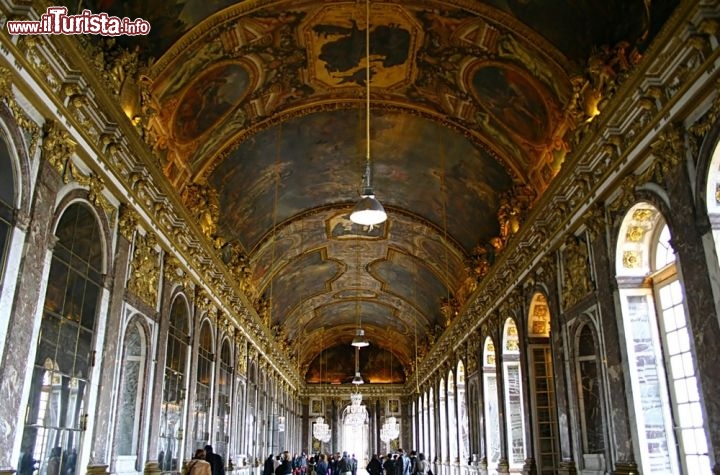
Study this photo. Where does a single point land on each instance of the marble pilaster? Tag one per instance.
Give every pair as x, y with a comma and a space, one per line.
619, 436
110, 366
559, 347
24, 324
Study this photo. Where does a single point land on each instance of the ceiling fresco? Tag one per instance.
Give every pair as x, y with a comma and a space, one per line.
317, 160
255, 111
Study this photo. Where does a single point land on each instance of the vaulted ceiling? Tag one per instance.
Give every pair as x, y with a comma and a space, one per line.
258, 115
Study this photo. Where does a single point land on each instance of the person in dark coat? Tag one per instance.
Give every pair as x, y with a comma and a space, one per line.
374, 467
269, 467
285, 466
389, 465
216, 462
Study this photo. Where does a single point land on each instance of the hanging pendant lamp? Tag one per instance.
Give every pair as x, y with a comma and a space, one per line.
368, 211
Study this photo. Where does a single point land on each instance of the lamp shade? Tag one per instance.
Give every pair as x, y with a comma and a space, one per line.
358, 379
360, 341
368, 211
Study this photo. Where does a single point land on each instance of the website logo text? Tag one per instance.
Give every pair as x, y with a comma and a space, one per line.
56, 21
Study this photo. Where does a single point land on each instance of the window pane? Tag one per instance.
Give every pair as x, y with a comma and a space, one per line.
681, 391
688, 365
684, 340
676, 363
673, 343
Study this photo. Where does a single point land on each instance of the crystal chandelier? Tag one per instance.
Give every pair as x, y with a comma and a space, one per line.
355, 414
390, 430
321, 430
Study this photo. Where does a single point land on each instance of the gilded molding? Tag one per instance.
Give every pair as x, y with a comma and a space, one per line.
242, 355
577, 282
668, 150
205, 305
57, 146
203, 202
95, 185
174, 271
128, 222
595, 220
23, 120
145, 273
29, 46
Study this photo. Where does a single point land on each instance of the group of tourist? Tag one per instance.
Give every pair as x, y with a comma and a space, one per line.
398, 463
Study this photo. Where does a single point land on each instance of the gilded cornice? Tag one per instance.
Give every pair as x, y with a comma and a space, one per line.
120, 160
615, 146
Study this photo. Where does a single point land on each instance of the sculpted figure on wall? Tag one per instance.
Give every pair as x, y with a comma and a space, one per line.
145, 269
203, 202
576, 272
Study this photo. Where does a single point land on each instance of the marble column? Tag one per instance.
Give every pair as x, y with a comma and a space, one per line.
24, 325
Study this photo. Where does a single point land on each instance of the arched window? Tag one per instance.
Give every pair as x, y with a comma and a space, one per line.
442, 407
174, 387
463, 424
590, 402
203, 386
250, 413
57, 406
224, 385
712, 197
542, 382
514, 417
665, 394
7, 204
422, 444
492, 417
452, 422
431, 427
131, 396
